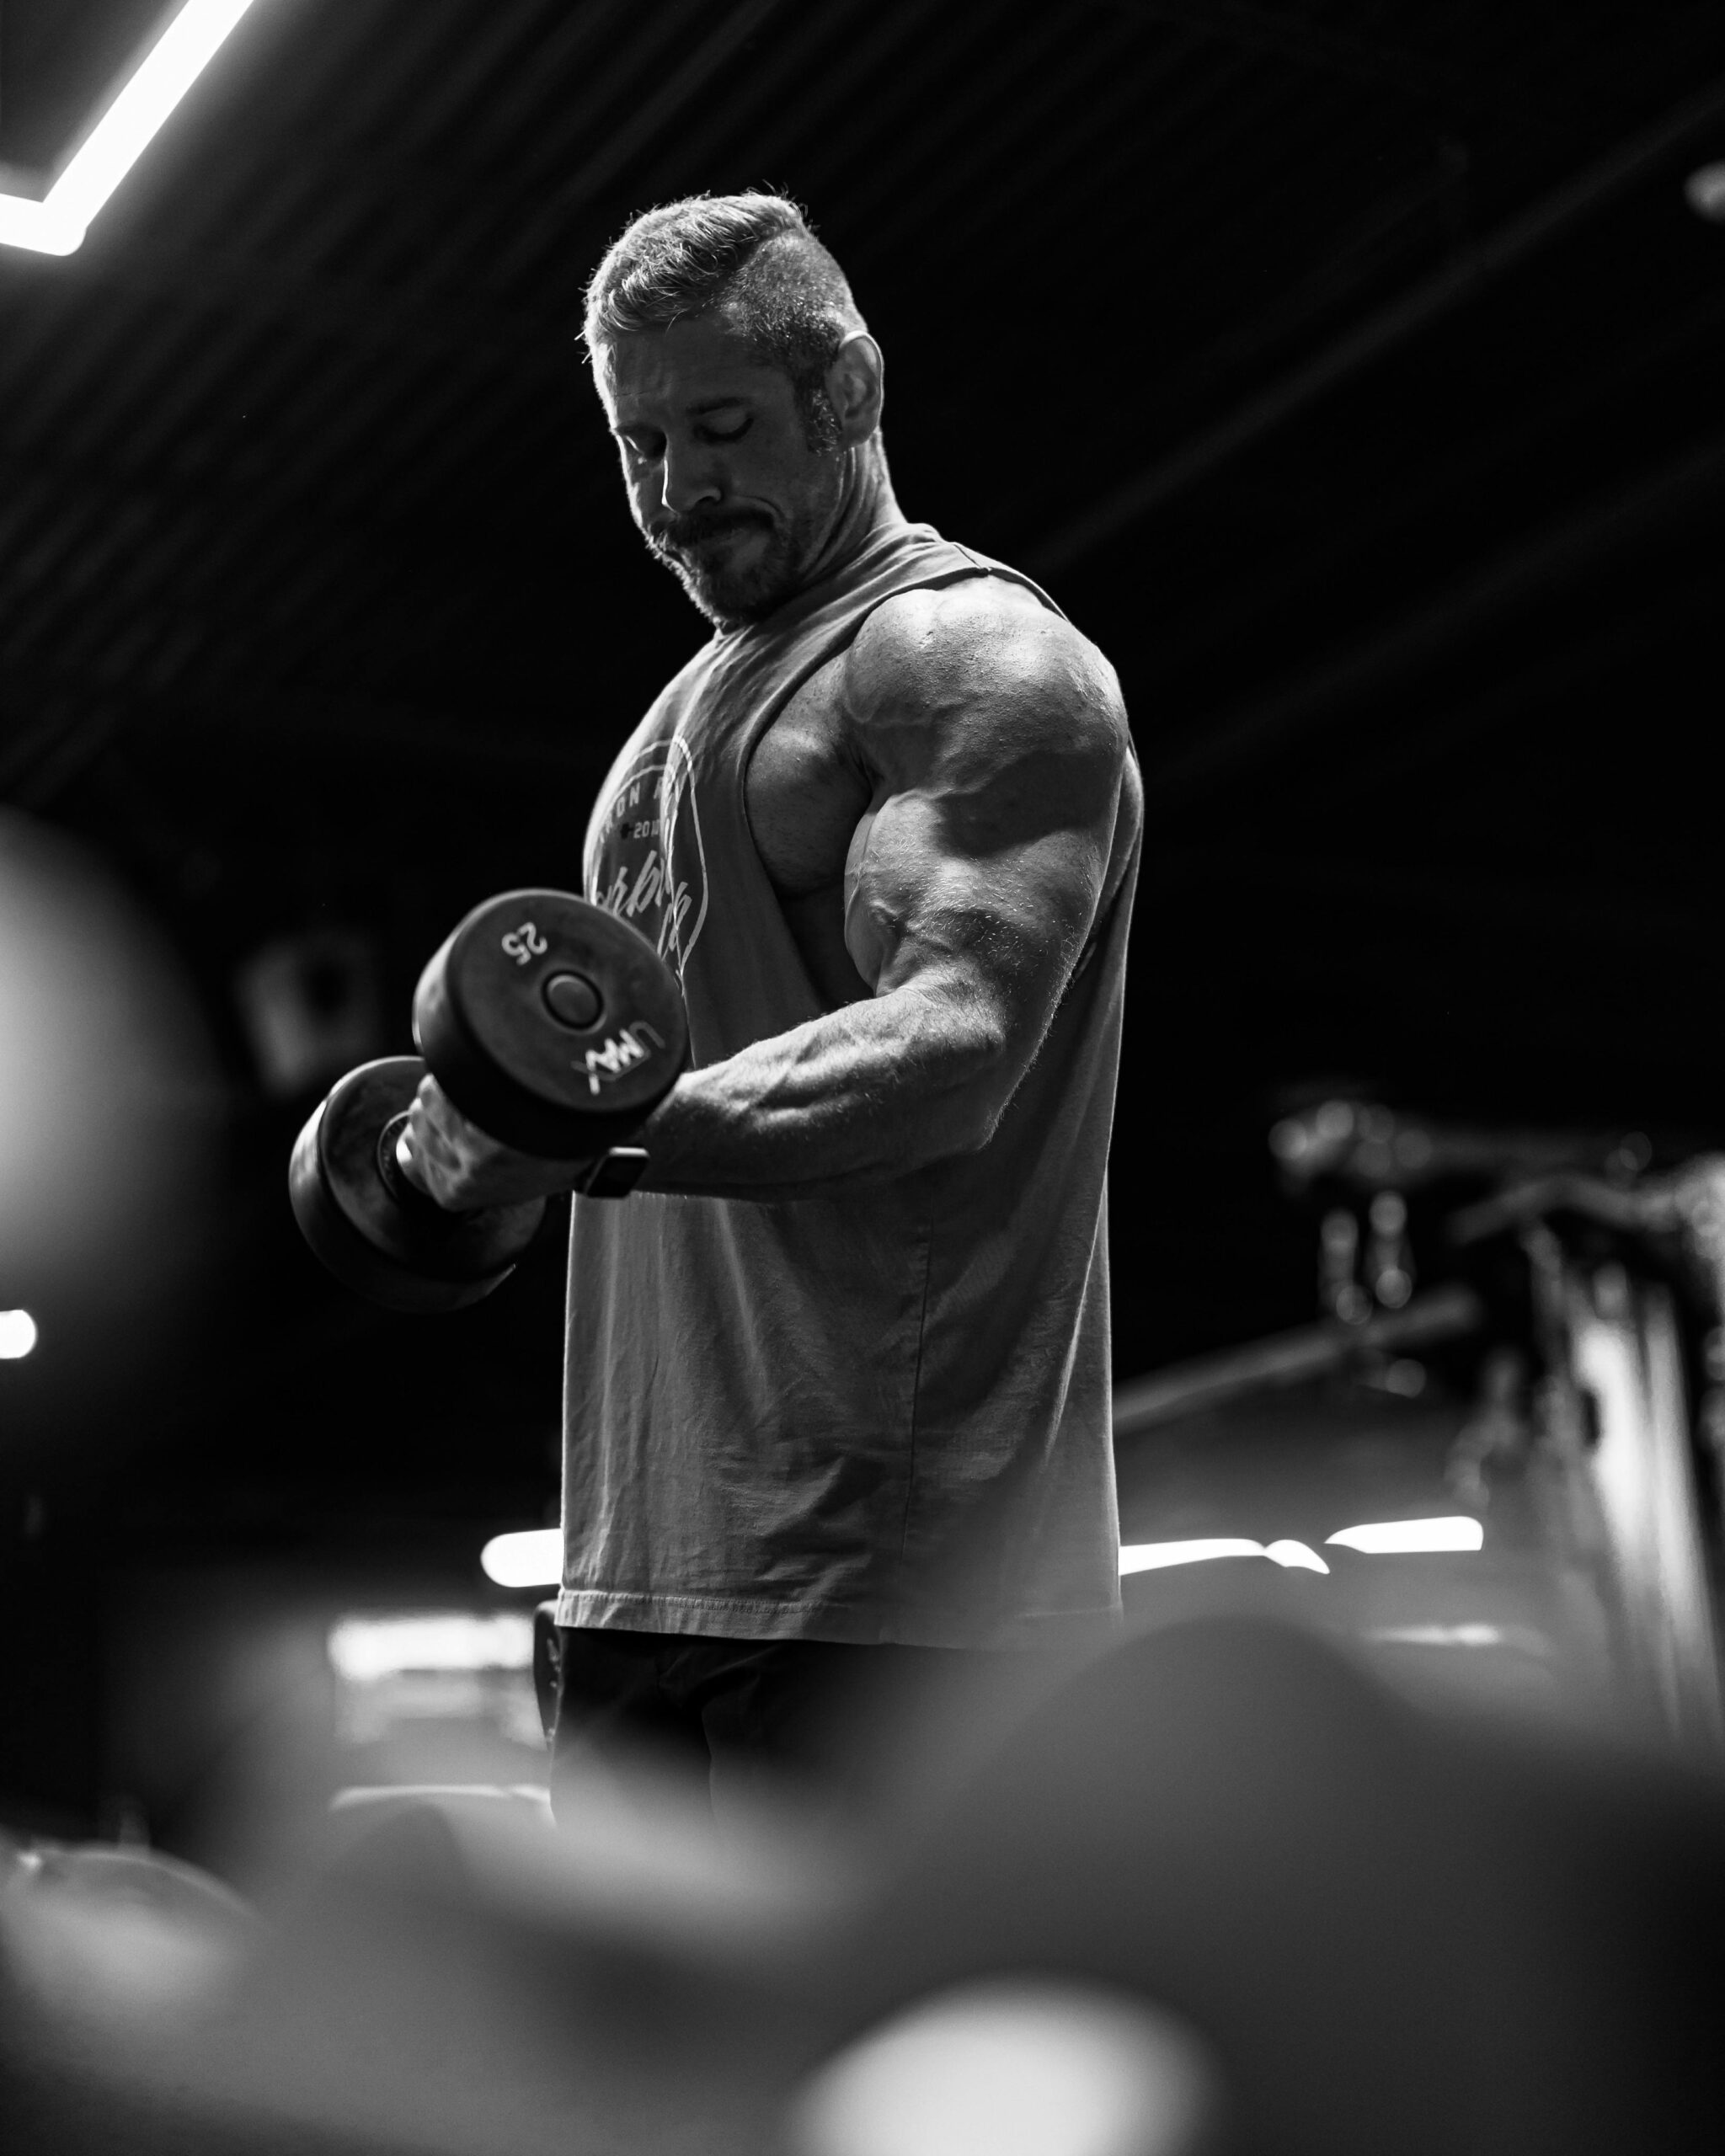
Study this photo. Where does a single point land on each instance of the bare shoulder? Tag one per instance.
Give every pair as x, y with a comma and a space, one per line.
979, 670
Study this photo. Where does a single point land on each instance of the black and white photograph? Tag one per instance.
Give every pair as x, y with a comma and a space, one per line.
861, 1098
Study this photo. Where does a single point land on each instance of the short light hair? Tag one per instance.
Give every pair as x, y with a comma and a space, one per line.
751, 258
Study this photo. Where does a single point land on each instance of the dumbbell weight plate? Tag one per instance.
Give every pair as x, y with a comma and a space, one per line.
375, 1231
550, 1023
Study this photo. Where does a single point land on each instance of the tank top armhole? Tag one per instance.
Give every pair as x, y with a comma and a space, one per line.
930, 576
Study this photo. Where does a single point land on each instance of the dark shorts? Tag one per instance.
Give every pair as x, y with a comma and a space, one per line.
814, 1715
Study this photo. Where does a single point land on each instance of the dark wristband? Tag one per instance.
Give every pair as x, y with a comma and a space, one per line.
616, 1173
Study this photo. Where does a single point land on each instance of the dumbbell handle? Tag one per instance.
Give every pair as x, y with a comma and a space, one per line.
393, 1155
613, 1174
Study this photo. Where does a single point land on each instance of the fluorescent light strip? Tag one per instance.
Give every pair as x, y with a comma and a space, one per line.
1153, 1557
57, 224
1391, 1537
532, 1558
1440, 1635
363, 1649
1297, 1555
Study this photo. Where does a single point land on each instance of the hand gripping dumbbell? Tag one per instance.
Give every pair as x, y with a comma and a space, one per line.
552, 1024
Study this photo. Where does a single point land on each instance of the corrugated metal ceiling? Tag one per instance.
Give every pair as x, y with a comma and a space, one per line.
318, 601
305, 418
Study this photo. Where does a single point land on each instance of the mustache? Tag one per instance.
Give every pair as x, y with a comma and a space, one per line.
679, 534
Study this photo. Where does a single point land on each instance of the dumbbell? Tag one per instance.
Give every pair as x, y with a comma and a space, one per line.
553, 1025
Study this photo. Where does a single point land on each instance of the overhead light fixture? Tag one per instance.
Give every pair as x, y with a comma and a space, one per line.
1391, 1537
56, 224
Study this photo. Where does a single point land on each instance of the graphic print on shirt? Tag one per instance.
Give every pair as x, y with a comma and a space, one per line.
648, 864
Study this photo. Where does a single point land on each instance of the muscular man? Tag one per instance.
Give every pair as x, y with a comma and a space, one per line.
837, 1377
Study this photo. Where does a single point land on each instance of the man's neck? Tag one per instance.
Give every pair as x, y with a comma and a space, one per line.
867, 507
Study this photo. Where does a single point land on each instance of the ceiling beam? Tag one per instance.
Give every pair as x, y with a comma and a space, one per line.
1328, 691
1381, 334
1289, 35
59, 720
1614, 920
396, 324
1674, 613
683, 86
1628, 370
403, 324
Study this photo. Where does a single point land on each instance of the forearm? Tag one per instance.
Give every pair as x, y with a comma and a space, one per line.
866, 1094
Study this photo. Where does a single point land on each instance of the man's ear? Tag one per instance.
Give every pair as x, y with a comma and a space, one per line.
856, 385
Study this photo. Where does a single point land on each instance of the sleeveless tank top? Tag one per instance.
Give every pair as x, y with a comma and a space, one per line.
884, 1416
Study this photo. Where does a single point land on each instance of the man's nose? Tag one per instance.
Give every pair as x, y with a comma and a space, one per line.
688, 478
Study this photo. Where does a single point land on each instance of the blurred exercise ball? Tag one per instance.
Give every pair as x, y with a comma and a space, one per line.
108, 1110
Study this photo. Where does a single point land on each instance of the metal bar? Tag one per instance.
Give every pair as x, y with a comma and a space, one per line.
1627, 1353
1528, 689
681, 87
1257, 30
60, 719
1322, 694
1287, 1358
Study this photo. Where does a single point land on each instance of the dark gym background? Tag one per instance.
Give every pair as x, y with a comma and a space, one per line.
1348, 371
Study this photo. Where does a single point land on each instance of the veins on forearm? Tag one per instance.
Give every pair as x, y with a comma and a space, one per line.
861, 1097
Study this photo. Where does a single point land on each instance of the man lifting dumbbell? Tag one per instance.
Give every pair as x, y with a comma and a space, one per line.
837, 1371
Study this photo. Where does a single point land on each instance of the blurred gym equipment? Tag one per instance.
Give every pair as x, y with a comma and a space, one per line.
1524, 1324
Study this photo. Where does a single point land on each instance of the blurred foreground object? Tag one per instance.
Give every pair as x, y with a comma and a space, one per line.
1392, 1929
1217, 1890
108, 1111
454, 1976
98, 1932
1014, 2068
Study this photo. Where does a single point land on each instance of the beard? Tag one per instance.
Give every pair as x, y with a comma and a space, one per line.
698, 549
730, 593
